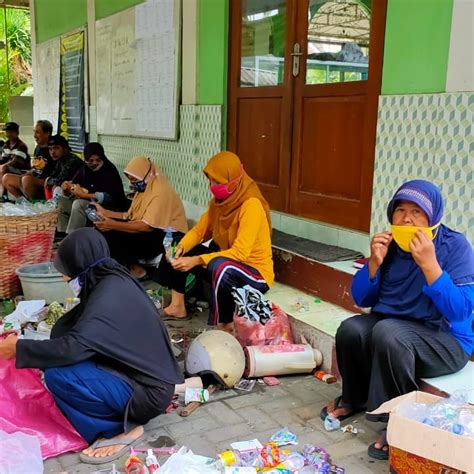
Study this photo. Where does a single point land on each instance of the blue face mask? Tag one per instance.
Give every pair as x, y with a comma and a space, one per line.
140, 186
75, 285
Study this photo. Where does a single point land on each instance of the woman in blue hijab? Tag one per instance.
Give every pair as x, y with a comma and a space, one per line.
419, 284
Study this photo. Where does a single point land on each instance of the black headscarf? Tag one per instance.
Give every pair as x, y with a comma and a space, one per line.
116, 319
105, 180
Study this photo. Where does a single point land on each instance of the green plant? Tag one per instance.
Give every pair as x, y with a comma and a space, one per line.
15, 70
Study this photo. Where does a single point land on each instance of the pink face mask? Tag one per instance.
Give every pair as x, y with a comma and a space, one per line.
221, 191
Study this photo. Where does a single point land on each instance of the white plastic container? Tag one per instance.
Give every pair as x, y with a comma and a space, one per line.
284, 359
41, 281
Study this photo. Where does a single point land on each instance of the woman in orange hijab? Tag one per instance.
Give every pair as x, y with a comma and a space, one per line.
237, 222
139, 233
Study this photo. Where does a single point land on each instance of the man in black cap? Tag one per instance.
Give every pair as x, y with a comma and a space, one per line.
14, 158
67, 164
31, 184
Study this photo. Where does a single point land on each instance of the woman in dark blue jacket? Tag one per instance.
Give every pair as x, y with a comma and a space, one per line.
419, 284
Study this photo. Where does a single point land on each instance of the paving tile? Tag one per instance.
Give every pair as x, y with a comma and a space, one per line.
69, 459
52, 466
256, 419
234, 416
199, 444
346, 447
192, 426
258, 396
222, 413
234, 432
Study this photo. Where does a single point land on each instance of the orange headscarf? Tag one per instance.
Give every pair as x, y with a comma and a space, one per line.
224, 168
159, 206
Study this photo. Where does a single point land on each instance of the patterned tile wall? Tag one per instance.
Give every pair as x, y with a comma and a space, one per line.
429, 137
182, 160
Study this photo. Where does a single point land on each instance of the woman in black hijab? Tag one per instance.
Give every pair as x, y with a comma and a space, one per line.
98, 181
109, 363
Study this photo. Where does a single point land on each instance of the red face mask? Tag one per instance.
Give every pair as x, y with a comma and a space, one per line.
221, 191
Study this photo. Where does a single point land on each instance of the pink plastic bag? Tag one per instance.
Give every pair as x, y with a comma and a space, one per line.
28, 407
252, 333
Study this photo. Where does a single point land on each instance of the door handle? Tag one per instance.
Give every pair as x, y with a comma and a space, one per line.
296, 59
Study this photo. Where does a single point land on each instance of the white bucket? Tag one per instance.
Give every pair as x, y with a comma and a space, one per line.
42, 281
284, 359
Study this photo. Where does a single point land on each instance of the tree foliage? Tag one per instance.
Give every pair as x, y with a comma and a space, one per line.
15, 69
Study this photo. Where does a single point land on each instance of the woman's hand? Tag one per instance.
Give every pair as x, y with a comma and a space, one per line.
378, 251
179, 252
8, 348
424, 253
184, 264
105, 225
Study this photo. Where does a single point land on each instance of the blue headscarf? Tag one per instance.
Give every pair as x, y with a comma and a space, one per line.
401, 279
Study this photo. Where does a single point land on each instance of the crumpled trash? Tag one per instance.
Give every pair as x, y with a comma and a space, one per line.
186, 462
331, 423
20, 454
284, 437
26, 311
251, 304
350, 429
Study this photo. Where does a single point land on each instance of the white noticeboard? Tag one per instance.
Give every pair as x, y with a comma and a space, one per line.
137, 70
46, 94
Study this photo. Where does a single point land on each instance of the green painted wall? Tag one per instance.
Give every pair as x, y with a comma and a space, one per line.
105, 8
212, 52
416, 52
56, 17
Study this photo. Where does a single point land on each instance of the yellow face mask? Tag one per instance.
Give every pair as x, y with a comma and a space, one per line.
403, 234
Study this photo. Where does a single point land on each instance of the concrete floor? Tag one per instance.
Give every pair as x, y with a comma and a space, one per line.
235, 416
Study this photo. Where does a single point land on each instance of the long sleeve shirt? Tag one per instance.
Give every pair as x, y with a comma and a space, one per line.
251, 245
455, 303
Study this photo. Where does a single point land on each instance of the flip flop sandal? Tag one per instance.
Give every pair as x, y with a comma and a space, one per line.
128, 443
338, 404
380, 454
169, 317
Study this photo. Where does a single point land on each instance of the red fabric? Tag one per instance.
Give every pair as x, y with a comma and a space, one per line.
28, 407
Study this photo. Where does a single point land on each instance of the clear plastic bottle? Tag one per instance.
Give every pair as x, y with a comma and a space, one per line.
168, 244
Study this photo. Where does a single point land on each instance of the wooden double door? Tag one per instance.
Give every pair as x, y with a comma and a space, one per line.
304, 81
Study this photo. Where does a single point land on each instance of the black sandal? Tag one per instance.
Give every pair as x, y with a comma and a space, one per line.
338, 403
380, 454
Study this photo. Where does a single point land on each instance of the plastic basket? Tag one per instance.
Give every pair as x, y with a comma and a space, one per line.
23, 240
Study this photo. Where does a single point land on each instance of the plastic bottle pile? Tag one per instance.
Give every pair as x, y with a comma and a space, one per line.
451, 414
23, 208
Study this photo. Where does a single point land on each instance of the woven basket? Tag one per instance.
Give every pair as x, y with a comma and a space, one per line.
23, 241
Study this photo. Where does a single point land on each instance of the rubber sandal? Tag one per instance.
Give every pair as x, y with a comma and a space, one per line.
168, 317
379, 453
128, 443
337, 404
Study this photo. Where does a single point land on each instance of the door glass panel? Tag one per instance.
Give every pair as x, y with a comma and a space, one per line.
338, 41
262, 43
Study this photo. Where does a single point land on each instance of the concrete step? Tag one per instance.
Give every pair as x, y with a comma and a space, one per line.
311, 318
330, 281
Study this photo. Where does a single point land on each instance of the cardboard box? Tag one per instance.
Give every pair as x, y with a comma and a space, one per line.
415, 447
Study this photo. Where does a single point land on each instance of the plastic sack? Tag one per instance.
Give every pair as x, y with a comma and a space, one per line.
28, 407
186, 462
20, 454
276, 330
